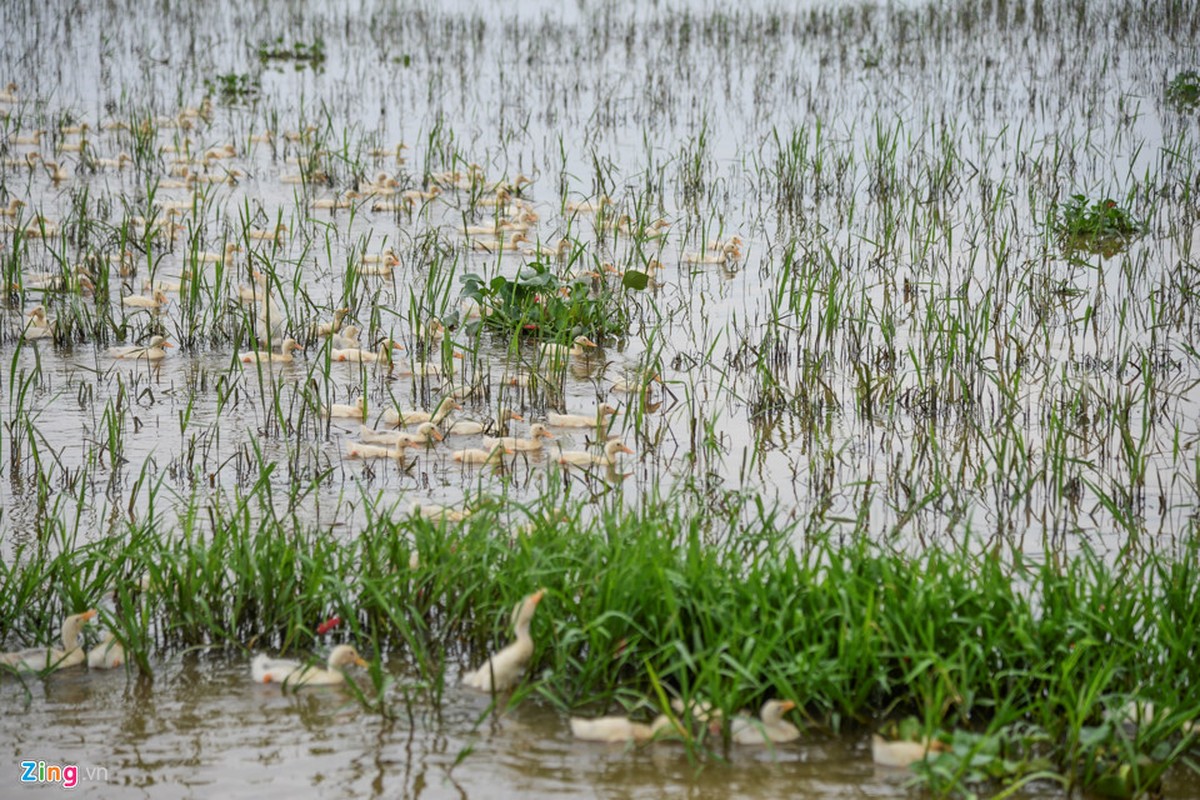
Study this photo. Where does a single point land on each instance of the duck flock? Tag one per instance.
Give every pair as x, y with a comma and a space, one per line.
233, 229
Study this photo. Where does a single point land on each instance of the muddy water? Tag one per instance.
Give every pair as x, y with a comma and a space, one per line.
204, 730
944, 135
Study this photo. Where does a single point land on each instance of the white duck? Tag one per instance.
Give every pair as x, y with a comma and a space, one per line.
902, 753
365, 451
231, 249
38, 327
433, 511
468, 427
770, 728
346, 339
292, 673
503, 670
635, 384
43, 658
427, 433
109, 654
586, 458
151, 351
355, 410
556, 351
152, 302
394, 416
620, 729
537, 432
474, 455
356, 355
597, 420
285, 356
330, 328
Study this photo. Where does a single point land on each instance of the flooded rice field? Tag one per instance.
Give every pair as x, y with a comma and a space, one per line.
918, 274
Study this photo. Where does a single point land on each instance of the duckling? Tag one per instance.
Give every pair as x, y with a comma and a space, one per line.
223, 151
537, 432
285, 356
334, 203
152, 351
34, 138
403, 205
154, 302
357, 355
346, 339
9, 95
558, 252
733, 243
229, 176
389, 152
432, 369
109, 654
266, 137
398, 417
41, 228
770, 728
597, 420
29, 160
38, 326
364, 451
500, 244
554, 350
468, 427
416, 195
117, 163
426, 434
729, 252
621, 729
206, 257
355, 410
260, 235
589, 207
433, 511
388, 256
902, 754
635, 385
473, 455
13, 209
329, 328
57, 173
432, 330
584, 458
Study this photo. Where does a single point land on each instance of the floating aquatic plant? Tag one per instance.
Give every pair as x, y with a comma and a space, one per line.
540, 303
1099, 226
1183, 91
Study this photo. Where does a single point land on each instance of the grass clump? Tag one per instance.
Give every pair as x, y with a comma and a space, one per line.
1183, 91
1099, 226
304, 54
539, 303
233, 87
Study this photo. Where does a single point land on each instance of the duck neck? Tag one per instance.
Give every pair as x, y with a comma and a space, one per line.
70, 636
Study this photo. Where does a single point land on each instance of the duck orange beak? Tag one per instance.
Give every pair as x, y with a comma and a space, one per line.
167, 344
438, 435
537, 596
